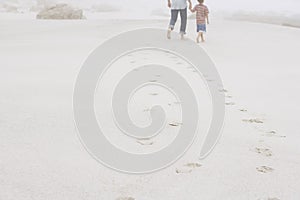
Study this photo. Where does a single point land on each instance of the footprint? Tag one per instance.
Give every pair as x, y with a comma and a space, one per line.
257, 121
264, 151
230, 104
166, 52
125, 198
264, 169
153, 94
228, 96
152, 81
183, 171
188, 168
243, 110
175, 124
145, 142
193, 165
273, 134
178, 103
223, 90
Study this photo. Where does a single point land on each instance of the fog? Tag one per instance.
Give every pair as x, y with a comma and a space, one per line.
142, 7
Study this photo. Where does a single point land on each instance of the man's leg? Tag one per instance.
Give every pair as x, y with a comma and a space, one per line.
174, 16
183, 16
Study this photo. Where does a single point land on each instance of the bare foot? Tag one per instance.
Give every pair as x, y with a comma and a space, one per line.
182, 36
197, 40
169, 34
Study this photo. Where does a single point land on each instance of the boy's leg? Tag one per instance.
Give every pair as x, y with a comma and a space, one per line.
174, 16
198, 37
183, 16
202, 37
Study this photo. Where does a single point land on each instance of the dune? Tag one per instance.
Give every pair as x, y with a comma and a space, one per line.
41, 157
292, 20
12, 7
60, 11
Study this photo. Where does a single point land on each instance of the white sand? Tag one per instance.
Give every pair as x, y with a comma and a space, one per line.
42, 158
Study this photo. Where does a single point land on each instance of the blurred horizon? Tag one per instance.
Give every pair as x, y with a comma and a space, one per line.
138, 5
138, 9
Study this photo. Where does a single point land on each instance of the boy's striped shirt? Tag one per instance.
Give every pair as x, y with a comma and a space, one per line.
201, 13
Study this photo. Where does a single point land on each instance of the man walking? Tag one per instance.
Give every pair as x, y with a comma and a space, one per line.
178, 6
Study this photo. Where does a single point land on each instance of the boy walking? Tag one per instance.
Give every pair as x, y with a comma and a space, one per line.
178, 6
201, 19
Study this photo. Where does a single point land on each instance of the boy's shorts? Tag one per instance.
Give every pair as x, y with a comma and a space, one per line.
201, 27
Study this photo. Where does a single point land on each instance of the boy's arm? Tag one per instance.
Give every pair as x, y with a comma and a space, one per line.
206, 15
169, 3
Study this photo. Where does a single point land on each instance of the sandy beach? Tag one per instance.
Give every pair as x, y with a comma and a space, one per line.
41, 156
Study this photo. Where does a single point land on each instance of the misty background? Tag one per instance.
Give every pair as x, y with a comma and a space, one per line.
287, 7
278, 12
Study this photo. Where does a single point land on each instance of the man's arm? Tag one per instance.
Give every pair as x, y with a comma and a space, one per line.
169, 3
190, 4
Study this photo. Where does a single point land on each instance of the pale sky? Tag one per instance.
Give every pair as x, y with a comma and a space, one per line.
282, 6
255, 5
